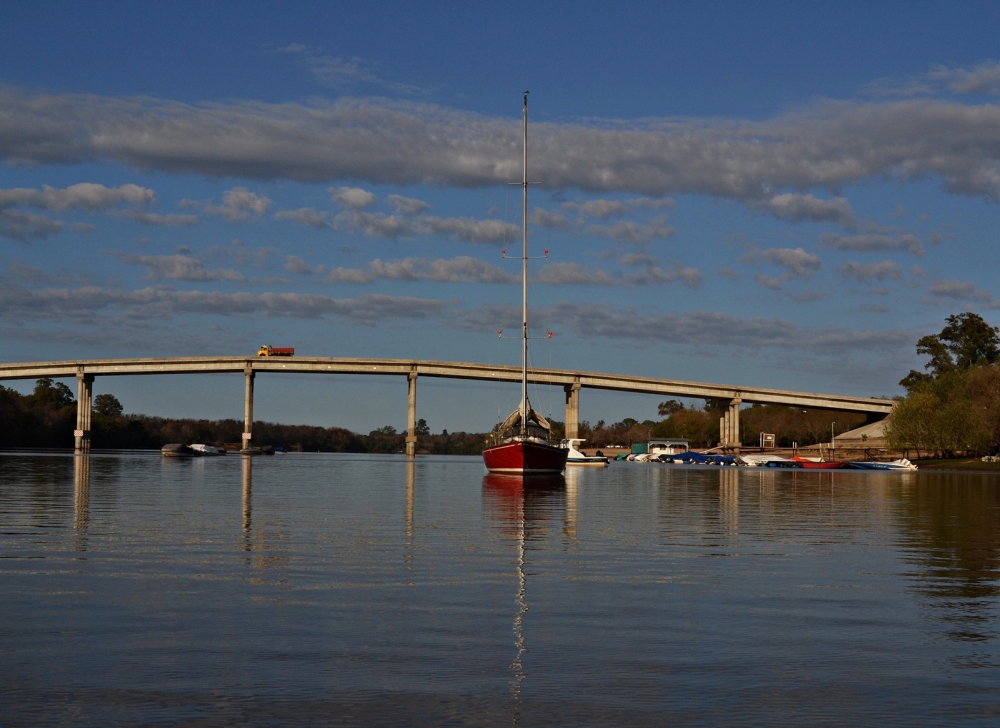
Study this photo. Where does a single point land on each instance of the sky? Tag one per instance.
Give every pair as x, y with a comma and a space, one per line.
773, 194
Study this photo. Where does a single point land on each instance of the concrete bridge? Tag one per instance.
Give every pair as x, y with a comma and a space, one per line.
570, 380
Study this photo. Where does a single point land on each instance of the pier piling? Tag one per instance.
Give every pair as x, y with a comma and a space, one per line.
572, 409
248, 408
84, 405
411, 415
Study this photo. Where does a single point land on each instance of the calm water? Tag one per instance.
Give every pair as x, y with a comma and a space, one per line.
306, 590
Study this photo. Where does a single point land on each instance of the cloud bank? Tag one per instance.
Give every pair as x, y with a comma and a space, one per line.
827, 146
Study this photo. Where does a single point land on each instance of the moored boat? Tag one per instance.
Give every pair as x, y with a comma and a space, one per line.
809, 464
177, 450
207, 450
521, 443
901, 464
575, 457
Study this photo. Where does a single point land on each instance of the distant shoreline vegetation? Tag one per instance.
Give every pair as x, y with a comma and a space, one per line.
47, 417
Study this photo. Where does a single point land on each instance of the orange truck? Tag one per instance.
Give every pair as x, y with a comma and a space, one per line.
268, 350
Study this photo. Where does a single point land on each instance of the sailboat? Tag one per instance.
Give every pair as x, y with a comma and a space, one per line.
520, 443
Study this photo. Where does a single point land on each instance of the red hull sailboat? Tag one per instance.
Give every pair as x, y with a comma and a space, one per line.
521, 443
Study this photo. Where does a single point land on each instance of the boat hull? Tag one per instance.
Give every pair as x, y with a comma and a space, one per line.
588, 462
526, 458
875, 465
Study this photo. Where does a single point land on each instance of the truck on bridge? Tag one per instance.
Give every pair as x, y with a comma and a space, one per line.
268, 350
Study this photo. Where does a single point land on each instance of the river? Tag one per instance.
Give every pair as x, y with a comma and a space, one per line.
315, 589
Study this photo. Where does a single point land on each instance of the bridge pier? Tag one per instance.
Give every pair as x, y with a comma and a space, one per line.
248, 374
729, 425
572, 409
411, 415
84, 405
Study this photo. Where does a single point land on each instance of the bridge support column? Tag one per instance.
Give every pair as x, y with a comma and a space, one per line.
248, 374
572, 409
84, 406
411, 415
734, 424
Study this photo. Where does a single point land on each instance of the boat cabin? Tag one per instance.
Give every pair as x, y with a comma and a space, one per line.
667, 446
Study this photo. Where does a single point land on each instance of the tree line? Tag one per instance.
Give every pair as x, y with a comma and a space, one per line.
951, 408
47, 418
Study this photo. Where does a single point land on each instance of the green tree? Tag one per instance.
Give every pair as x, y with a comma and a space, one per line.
422, 428
48, 394
665, 409
966, 342
107, 405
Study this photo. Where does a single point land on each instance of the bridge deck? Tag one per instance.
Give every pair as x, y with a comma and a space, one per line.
453, 370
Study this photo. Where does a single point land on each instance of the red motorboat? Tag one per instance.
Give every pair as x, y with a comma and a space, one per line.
521, 443
808, 464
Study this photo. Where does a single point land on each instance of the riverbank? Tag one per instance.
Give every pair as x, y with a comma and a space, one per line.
965, 464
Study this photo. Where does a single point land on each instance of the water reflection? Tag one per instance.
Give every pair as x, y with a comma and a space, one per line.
81, 499
952, 530
247, 502
573, 476
411, 469
522, 506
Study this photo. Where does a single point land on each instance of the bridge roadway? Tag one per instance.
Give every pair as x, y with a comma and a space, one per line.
572, 381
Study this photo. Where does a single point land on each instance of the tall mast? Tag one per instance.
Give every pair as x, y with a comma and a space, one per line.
524, 282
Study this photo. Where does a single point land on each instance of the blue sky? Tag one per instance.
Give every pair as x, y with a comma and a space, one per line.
777, 194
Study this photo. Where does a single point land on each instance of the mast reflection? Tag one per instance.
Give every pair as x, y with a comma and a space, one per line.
521, 506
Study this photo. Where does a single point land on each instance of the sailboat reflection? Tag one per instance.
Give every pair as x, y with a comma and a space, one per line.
522, 505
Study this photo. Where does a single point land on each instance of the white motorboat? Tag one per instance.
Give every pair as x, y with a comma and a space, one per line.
576, 457
207, 450
901, 464
767, 461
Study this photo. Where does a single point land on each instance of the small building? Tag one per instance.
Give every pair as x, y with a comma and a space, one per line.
668, 446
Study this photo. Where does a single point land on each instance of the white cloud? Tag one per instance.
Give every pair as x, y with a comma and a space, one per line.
162, 302
603, 209
338, 71
22, 226
353, 198
627, 231
152, 218
708, 330
85, 196
238, 204
606, 209
962, 291
874, 243
306, 216
798, 208
866, 272
180, 268
551, 220
796, 261
651, 275
573, 274
828, 146
465, 229
406, 205
461, 269
295, 264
